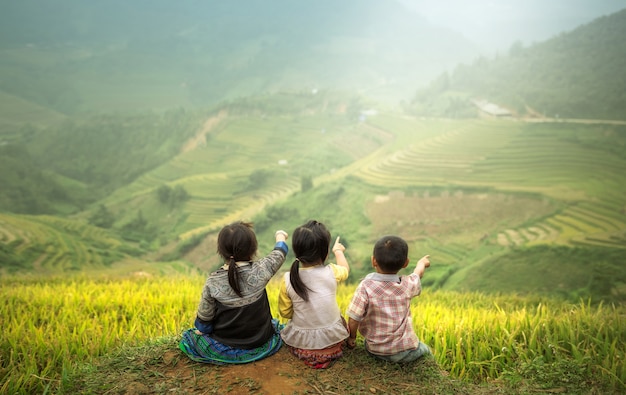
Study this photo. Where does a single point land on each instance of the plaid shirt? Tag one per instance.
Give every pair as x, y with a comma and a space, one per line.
381, 304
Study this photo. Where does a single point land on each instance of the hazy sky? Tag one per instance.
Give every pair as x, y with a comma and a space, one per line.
496, 24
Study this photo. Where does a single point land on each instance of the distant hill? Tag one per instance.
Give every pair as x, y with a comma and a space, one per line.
68, 165
15, 112
76, 56
497, 204
579, 74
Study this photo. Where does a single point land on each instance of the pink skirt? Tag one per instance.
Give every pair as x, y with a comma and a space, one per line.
319, 359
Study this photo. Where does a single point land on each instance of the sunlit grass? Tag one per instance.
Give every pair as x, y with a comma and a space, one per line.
51, 326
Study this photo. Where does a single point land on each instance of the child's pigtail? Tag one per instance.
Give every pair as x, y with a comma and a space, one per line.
233, 276
296, 282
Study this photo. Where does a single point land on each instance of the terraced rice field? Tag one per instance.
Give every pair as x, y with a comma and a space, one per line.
54, 244
549, 160
453, 186
218, 175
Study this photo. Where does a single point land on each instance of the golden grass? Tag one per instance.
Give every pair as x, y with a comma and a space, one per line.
51, 326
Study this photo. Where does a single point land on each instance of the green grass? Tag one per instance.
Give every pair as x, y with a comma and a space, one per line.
110, 333
585, 271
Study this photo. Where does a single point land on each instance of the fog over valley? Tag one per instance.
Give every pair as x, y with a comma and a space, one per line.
159, 54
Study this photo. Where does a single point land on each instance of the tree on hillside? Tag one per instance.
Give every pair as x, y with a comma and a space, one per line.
179, 195
138, 229
102, 218
173, 197
274, 215
257, 179
306, 183
26, 187
163, 193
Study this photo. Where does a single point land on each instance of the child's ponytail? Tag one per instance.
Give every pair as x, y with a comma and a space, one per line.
236, 243
310, 244
296, 282
233, 276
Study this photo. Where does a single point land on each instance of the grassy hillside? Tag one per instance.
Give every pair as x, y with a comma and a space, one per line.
499, 344
62, 167
574, 75
52, 245
15, 112
472, 194
240, 164
467, 192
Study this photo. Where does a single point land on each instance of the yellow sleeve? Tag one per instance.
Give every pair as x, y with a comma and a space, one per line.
340, 272
285, 306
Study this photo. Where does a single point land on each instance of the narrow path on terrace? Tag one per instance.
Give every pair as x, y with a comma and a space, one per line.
575, 120
200, 137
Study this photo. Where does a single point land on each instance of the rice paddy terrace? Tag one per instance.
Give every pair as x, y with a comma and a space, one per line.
52, 244
449, 186
244, 165
577, 168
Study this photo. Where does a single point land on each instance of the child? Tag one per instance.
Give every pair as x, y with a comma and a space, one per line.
380, 306
234, 323
316, 331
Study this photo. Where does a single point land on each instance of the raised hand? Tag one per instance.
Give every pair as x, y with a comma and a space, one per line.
338, 246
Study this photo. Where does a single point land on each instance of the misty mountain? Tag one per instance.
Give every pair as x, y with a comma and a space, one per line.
496, 25
72, 55
579, 74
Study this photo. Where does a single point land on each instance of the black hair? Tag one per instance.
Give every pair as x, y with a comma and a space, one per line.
391, 252
310, 243
236, 243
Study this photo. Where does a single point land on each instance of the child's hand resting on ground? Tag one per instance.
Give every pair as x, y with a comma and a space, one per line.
351, 343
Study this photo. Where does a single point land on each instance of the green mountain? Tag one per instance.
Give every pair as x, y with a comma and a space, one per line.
579, 74
61, 168
76, 56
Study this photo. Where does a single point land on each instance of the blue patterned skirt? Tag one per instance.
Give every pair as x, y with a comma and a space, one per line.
203, 348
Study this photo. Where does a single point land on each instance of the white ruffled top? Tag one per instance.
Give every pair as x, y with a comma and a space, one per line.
315, 324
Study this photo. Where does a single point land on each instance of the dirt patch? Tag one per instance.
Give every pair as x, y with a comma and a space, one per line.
200, 138
174, 373
161, 368
266, 376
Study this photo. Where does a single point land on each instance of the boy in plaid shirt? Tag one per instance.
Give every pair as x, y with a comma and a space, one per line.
380, 308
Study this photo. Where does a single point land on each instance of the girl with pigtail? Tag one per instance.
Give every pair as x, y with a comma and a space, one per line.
316, 331
234, 323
